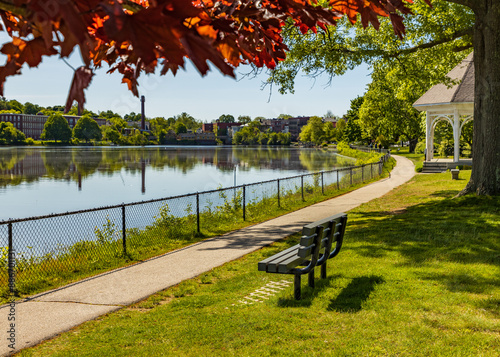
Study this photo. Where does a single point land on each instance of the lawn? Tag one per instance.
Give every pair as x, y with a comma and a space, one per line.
418, 275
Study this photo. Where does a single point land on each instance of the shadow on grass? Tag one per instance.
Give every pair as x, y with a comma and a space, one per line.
353, 296
445, 193
462, 231
308, 294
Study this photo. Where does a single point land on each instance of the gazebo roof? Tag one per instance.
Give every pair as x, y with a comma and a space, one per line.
441, 95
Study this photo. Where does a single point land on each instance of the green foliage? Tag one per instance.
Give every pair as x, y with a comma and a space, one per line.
137, 138
190, 122
30, 108
312, 131
112, 135
420, 148
180, 128
109, 114
106, 234
56, 128
87, 129
10, 135
133, 117
244, 119
226, 118
353, 129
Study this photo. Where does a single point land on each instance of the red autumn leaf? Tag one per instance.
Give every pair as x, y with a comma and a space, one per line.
81, 80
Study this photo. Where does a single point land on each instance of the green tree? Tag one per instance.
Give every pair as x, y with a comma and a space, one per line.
30, 108
284, 116
87, 129
190, 122
244, 119
56, 128
353, 129
387, 109
74, 111
180, 128
226, 118
341, 128
108, 114
329, 132
118, 124
10, 135
133, 117
112, 134
312, 131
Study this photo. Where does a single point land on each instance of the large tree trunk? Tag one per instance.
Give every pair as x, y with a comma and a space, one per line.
485, 179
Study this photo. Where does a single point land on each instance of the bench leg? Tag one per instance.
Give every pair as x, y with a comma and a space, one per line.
323, 271
296, 285
310, 279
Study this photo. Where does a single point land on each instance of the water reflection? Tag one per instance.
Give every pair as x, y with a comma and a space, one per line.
79, 178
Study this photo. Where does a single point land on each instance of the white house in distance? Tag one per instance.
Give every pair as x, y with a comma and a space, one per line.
454, 104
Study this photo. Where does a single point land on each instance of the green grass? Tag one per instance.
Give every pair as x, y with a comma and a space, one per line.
88, 258
418, 275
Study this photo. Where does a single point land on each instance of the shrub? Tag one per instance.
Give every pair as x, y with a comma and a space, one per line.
420, 148
419, 167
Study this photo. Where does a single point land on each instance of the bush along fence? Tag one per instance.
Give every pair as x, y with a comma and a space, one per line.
41, 252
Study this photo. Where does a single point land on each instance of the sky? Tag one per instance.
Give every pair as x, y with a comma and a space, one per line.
204, 98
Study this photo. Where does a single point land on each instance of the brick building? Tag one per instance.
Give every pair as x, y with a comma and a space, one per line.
32, 125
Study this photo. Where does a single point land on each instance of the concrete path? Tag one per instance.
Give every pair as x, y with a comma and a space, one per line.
47, 314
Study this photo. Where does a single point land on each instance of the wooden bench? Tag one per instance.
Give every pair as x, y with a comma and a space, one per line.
314, 249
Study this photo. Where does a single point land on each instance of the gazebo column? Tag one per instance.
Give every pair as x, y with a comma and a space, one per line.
456, 135
429, 140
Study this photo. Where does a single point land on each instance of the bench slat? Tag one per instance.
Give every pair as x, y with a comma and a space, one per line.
263, 265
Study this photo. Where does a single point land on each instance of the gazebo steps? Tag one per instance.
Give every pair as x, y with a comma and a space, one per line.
434, 167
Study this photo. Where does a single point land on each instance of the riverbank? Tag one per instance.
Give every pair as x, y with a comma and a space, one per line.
417, 276
47, 306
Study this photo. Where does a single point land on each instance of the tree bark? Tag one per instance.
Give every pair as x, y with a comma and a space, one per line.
485, 178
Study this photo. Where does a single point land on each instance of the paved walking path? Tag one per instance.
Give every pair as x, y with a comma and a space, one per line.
47, 314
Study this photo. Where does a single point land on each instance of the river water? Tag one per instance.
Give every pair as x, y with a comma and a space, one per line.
39, 180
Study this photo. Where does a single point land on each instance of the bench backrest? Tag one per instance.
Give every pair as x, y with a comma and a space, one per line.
320, 235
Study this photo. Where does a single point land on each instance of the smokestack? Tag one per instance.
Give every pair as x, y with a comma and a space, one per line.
143, 117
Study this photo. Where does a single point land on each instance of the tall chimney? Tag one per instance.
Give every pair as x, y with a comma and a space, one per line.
143, 117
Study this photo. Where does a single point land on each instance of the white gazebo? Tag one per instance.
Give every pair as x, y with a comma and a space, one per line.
454, 104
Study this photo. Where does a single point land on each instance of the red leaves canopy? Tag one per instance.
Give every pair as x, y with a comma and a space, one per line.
138, 35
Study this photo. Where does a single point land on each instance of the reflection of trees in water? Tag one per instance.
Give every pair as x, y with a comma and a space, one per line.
12, 169
9, 158
87, 160
266, 157
69, 163
57, 163
319, 160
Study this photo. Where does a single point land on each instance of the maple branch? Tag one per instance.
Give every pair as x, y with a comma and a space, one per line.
468, 3
457, 34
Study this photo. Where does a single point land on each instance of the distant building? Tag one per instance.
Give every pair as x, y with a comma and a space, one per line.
32, 125
291, 125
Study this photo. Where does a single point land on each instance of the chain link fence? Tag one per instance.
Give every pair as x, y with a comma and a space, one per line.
40, 249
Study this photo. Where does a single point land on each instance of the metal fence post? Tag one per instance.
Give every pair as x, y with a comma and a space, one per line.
279, 193
322, 184
124, 231
350, 170
12, 263
197, 212
338, 183
371, 171
363, 173
302, 185
244, 203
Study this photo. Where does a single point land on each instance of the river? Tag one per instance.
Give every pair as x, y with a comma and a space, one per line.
37, 181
